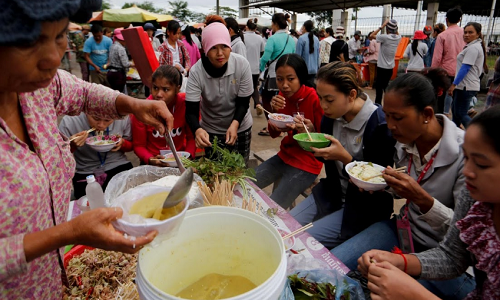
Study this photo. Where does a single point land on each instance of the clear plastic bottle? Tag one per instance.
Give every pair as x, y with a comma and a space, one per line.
94, 193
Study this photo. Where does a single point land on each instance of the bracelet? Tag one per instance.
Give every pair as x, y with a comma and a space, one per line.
396, 250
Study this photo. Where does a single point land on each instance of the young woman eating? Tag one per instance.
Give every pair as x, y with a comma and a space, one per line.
166, 83
429, 145
222, 83
472, 240
295, 168
339, 210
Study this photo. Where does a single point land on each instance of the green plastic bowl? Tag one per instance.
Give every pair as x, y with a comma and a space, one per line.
319, 140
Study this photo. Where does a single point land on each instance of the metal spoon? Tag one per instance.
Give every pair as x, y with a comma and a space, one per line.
174, 152
180, 190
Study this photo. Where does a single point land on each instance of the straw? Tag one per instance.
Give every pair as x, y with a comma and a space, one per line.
301, 229
88, 131
398, 170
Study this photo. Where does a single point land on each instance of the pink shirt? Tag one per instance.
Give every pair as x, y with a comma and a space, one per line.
448, 45
372, 53
35, 186
194, 52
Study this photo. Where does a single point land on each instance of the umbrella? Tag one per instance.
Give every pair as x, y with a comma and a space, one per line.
74, 27
123, 17
262, 22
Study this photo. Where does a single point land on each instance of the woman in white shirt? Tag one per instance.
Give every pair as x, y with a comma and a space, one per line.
416, 52
237, 39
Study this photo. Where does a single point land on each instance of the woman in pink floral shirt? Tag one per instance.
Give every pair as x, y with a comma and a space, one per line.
36, 165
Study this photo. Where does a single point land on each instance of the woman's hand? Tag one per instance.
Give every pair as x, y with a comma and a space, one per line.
388, 282
232, 133
80, 138
202, 138
407, 187
156, 161
275, 128
333, 152
451, 89
118, 145
94, 229
278, 102
298, 119
377, 256
154, 113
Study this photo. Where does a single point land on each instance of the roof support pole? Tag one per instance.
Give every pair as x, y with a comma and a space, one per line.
419, 15
244, 11
217, 8
294, 21
490, 22
386, 14
432, 13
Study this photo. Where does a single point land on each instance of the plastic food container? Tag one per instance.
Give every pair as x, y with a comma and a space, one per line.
365, 185
170, 160
280, 120
215, 239
103, 143
319, 140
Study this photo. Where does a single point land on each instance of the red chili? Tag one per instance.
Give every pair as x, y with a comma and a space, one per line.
89, 293
293, 251
79, 281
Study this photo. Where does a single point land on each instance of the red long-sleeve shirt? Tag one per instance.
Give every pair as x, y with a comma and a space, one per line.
146, 145
306, 101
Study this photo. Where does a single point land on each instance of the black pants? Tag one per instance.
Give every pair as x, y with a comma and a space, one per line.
117, 80
256, 94
242, 145
79, 187
383, 78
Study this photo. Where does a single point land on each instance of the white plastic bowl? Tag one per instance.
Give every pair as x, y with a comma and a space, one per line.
365, 185
165, 228
289, 242
279, 123
170, 160
111, 141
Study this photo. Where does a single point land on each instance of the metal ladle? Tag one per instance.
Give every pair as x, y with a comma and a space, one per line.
180, 190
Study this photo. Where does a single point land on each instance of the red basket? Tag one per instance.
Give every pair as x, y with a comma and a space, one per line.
75, 251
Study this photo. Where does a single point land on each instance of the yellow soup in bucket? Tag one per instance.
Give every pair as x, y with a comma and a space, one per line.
216, 286
151, 207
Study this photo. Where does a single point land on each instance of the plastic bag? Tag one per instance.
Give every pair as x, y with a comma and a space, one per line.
317, 271
124, 181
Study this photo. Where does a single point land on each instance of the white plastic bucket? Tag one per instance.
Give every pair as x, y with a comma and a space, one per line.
216, 239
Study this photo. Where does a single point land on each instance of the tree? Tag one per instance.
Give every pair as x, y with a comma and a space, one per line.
106, 4
147, 5
179, 9
225, 12
322, 18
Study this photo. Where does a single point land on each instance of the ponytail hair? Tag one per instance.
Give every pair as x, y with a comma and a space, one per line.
414, 46
252, 24
231, 23
187, 34
170, 73
309, 26
282, 20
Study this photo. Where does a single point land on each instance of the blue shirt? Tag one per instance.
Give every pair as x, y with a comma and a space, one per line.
311, 59
99, 53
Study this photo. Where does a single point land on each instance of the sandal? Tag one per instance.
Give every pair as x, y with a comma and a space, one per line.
264, 132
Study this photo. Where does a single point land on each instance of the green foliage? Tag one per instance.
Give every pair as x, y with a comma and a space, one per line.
304, 289
147, 5
225, 12
180, 10
106, 4
322, 19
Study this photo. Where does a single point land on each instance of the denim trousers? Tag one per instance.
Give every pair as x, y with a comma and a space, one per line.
461, 105
290, 180
327, 229
383, 236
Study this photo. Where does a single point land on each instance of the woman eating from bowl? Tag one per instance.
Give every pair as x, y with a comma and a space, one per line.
294, 168
471, 63
166, 83
429, 145
221, 83
35, 159
472, 240
337, 208
89, 161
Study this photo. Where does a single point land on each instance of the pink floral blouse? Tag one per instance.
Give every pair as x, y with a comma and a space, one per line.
35, 186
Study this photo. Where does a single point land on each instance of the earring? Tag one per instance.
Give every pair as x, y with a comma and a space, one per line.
426, 122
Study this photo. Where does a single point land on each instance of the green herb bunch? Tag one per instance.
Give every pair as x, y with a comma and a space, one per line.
304, 289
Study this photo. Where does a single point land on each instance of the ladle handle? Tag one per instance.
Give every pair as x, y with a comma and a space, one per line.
170, 143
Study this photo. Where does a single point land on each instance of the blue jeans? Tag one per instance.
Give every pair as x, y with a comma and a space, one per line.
292, 181
461, 105
383, 236
448, 100
327, 229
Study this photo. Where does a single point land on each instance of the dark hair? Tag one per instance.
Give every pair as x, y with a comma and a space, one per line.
488, 123
343, 76
309, 26
231, 23
187, 34
414, 46
454, 14
415, 89
329, 30
173, 26
214, 19
478, 28
297, 63
168, 72
281, 20
439, 27
192, 29
439, 79
96, 28
252, 24
105, 30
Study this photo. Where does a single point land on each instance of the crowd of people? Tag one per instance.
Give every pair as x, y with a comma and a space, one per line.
202, 90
